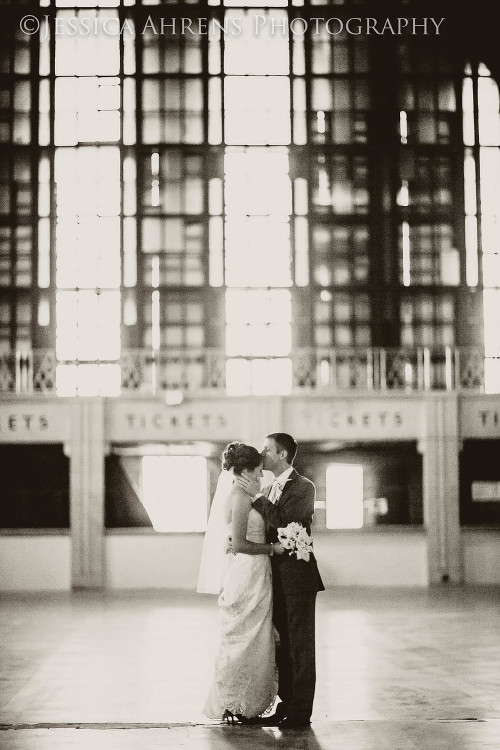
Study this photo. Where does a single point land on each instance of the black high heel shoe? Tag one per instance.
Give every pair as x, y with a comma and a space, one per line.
231, 718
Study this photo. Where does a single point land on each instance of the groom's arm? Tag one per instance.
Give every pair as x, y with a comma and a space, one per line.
299, 508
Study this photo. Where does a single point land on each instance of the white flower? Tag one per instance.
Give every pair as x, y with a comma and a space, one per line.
295, 538
303, 554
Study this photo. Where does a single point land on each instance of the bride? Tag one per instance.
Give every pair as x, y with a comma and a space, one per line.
245, 680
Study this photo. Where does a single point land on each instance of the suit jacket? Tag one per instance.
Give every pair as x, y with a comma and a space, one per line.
295, 504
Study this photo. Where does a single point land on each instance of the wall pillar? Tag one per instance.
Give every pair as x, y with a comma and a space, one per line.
87, 449
440, 448
263, 417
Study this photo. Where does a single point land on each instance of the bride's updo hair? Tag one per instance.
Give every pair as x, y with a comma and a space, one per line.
239, 456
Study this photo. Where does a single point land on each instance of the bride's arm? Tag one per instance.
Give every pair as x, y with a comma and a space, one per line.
241, 506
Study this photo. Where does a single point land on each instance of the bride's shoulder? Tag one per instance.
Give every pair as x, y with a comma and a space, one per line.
239, 495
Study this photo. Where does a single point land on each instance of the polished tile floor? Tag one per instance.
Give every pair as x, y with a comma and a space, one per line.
398, 670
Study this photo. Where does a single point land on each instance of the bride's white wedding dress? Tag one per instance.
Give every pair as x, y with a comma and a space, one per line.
245, 680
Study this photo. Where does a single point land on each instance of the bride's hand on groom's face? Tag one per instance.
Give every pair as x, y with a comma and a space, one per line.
251, 486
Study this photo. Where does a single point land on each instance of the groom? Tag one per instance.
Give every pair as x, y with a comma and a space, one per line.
295, 582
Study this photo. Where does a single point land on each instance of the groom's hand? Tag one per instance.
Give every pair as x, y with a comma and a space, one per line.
250, 486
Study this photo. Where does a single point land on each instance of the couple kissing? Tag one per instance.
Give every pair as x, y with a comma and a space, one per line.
257, 555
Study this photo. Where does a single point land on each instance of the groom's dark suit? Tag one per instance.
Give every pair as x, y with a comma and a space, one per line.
295, 585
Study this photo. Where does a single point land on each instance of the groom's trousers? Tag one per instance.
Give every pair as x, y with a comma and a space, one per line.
294, 618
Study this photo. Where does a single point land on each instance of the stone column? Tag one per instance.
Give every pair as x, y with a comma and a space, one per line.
440, 448
87, 450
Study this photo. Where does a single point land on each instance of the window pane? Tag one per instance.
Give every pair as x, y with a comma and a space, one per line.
344, 496
185, 507
257, 110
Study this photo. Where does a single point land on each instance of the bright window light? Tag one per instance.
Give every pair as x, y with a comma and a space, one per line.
258, 322
489, 116
88, 380
492, 375
468, 112
324, 373
87, 110
257, 109
489, 212
344, 496
491, 302
320, 122
403, 126
88, 95
258, 326
87, 54
258, 204
259, 377
88, 325
408, 375
260, 48
253, 3
405, 246
403, 198
324, 191
174, 492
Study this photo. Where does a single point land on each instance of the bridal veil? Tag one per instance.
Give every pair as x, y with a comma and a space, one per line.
213, 556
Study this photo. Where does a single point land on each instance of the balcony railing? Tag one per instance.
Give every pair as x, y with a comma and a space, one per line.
147, 372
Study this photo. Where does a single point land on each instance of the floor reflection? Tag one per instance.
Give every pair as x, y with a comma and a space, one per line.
405, 670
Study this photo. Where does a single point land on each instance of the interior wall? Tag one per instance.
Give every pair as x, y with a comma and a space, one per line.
392, 558
344, 558
481, 556
395, 558
35, 563
152, 561
138, 557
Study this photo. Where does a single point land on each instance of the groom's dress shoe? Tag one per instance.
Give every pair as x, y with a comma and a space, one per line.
281, 712
266, 721
263, 721
292, 723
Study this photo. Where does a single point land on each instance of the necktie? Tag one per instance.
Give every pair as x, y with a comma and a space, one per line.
275, 490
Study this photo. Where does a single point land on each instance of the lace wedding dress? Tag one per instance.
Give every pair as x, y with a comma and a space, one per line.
245, 680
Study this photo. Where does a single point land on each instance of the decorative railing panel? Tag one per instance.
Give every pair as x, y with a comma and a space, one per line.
313, 370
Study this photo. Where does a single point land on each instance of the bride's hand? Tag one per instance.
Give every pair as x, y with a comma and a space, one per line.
251, 486
278, 548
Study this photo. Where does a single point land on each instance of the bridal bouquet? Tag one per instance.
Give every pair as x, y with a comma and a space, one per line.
295, 538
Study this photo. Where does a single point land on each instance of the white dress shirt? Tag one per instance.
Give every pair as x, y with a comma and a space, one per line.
278, 484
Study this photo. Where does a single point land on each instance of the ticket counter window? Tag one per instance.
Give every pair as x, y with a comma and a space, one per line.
174, 492
344, 496
35, 487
